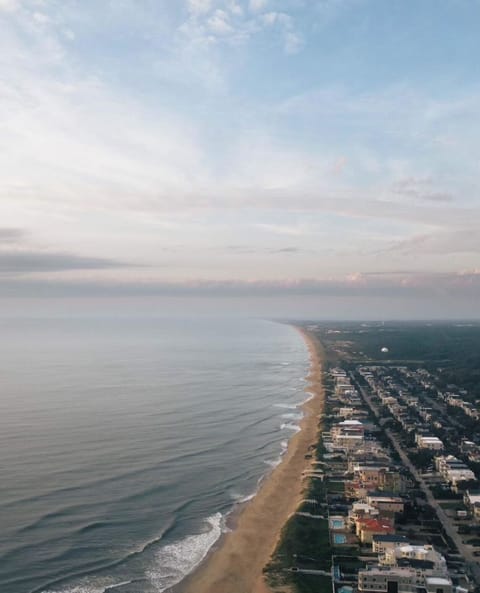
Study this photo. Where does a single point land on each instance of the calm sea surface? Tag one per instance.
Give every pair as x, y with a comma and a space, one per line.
124, 443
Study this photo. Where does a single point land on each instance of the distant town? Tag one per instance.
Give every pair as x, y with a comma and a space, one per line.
393, 503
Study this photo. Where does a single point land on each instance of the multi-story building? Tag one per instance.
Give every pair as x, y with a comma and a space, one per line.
400, 579
385, 542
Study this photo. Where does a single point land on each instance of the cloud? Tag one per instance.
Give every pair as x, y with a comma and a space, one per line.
258, 5
10, 235
293, 42
256, 250
462, 241
226, 22
199, 6
282, 229
19, 256
9, 5
464, 284
27, 262
421, 188
219, 23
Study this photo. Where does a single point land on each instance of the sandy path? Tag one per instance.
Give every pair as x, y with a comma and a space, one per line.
236, 566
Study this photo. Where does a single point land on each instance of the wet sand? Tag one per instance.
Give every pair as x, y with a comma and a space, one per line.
236, 565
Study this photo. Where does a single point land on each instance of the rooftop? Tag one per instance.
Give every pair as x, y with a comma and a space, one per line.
389, 538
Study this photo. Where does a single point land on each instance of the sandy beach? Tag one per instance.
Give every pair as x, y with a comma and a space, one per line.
236, 565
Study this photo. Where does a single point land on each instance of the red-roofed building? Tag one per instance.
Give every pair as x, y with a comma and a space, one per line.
366, 528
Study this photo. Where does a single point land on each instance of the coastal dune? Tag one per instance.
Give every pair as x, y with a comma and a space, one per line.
236, 565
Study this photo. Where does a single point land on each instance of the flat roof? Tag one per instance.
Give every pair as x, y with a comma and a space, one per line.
384, 494
393, 538
438, 581
351, 422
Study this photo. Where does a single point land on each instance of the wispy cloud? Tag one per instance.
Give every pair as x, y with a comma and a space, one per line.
24, 262
466, 240
20, 256
421, 188
235, 22
192, 123
464, 284
9, 235
8, 5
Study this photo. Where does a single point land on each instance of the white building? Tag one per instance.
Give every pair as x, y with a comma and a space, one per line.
401, 580
428, 442
424, 553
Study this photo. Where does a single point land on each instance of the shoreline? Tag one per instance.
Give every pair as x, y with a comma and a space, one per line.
235, 563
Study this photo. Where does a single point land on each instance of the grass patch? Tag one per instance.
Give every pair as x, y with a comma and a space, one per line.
335, 487
452, 504
304, 543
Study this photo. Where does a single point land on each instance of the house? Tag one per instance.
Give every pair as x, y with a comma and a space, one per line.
425, 555
453, 470
428, 442
381, 543
360, 510
366, 528
401, 580
386, 501
472, 502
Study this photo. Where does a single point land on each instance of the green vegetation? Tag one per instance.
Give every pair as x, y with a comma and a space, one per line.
304, 543
452, 349
335, 487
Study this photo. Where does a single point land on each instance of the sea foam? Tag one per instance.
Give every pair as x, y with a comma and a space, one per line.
291, 416
174, 561
242, 498
286, 406
290, 426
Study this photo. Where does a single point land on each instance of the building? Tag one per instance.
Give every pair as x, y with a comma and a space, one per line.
359, 510
378, 477
425, 556
428, 442
347, 435
401, 580
472, 502
453, 470
382, 543
386, 501
366, 528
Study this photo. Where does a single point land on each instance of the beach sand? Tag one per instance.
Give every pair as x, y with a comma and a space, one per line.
236, 565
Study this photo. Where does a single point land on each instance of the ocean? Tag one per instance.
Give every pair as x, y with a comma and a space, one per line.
125, 443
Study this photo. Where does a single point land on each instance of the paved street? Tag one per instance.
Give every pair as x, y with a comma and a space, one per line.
463, 549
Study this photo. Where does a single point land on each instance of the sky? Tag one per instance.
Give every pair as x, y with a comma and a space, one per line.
305, 158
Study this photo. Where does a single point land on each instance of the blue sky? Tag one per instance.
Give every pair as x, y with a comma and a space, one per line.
302, 153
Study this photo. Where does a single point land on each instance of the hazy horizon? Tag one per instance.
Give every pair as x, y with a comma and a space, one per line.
273, 158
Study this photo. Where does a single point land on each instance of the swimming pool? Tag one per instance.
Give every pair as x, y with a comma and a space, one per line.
337, 523
339, 538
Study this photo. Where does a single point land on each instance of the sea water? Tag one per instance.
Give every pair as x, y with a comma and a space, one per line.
125, 443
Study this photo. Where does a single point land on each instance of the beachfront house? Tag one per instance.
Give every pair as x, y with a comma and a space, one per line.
386, 501
401, 580
366, 528
382, 543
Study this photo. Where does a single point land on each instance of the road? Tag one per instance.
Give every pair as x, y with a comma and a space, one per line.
463, 549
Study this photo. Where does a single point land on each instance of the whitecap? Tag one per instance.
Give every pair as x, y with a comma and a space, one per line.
116, 586
174, 561
83, 588
241, 498
286, 406
273, 462
311, 395
292, 416
290, 426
